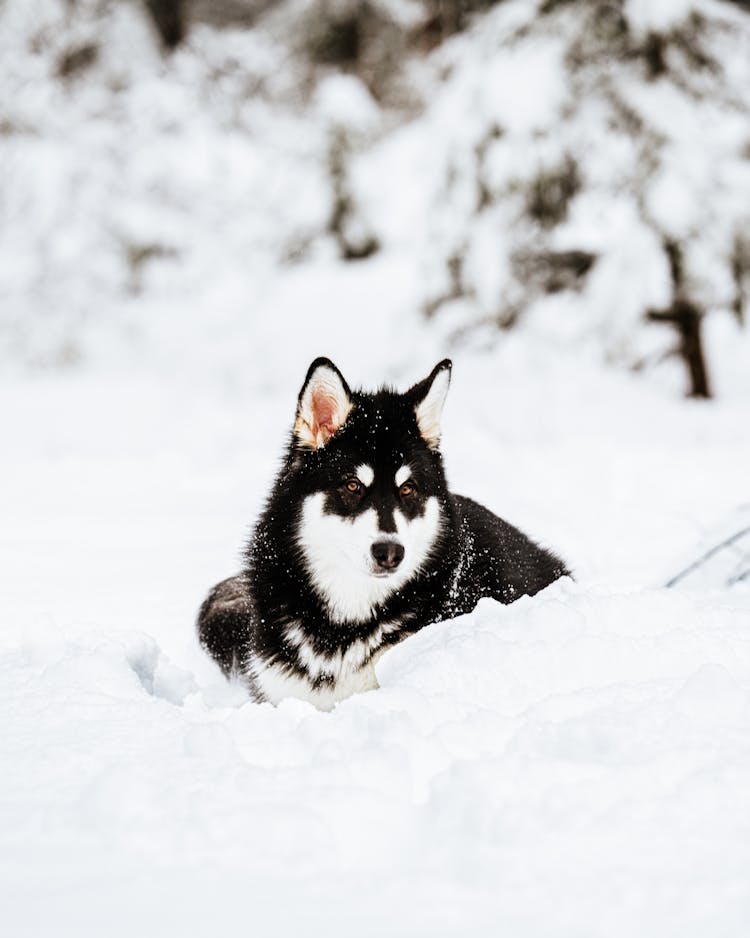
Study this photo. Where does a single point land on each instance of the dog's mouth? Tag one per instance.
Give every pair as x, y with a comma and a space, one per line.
381, 574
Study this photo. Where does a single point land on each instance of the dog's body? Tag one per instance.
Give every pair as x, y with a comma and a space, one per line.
360, 545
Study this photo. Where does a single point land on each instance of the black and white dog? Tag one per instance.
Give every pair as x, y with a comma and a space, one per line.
360, 544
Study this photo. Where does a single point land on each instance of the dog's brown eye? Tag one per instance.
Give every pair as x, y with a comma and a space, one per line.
353, 485
407, 490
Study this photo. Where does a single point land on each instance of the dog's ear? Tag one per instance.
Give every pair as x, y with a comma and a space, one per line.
428, 397
323, 405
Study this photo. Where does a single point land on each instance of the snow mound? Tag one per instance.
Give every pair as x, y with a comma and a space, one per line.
547, 768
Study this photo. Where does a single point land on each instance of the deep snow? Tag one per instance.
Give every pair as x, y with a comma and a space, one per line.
575, 764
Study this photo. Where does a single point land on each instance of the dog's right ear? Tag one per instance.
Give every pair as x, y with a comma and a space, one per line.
323, 405
428, 397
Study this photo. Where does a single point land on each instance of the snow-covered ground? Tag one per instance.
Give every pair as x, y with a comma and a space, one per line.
576, 764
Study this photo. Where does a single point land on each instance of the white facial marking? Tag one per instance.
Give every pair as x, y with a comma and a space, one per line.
338, 559
365, 474
402, 475
429, 410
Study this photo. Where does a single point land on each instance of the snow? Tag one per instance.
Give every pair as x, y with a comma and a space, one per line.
645, 17
343, 100
568, 764
573, 764
587, 748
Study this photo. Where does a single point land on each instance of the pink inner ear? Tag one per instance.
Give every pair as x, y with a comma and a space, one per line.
325, 415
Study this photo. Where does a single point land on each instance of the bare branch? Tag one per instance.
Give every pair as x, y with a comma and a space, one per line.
696, 564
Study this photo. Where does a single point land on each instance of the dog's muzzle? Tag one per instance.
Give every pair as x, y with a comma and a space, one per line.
387, 555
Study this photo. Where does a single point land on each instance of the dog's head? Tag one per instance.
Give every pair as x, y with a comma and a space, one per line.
372, 484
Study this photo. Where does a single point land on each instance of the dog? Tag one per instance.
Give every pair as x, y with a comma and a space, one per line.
360, 545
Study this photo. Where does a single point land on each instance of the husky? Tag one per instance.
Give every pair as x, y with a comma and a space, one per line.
360, 545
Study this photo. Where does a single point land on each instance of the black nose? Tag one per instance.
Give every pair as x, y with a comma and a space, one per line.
387, 554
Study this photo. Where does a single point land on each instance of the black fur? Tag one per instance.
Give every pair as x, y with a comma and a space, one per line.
475, 554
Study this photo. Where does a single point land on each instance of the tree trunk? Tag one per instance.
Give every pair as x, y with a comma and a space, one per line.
169, 19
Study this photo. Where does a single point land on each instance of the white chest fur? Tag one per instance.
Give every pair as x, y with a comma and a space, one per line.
327, 678
276, 683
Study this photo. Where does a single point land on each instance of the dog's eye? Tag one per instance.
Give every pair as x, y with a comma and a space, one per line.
407, 490
353, 485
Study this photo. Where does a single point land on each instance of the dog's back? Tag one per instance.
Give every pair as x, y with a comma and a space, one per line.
498, 560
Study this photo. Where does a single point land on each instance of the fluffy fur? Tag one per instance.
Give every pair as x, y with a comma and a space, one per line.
360, 544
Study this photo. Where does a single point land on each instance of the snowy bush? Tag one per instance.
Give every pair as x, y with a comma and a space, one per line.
579, 171
133, 180
579, 147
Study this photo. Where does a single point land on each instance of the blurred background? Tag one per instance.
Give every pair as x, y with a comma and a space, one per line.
182, 170
197, 198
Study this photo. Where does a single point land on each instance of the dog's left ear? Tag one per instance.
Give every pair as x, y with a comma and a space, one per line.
323, 405
428, 397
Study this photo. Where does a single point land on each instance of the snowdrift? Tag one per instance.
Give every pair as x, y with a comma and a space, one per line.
572, 764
